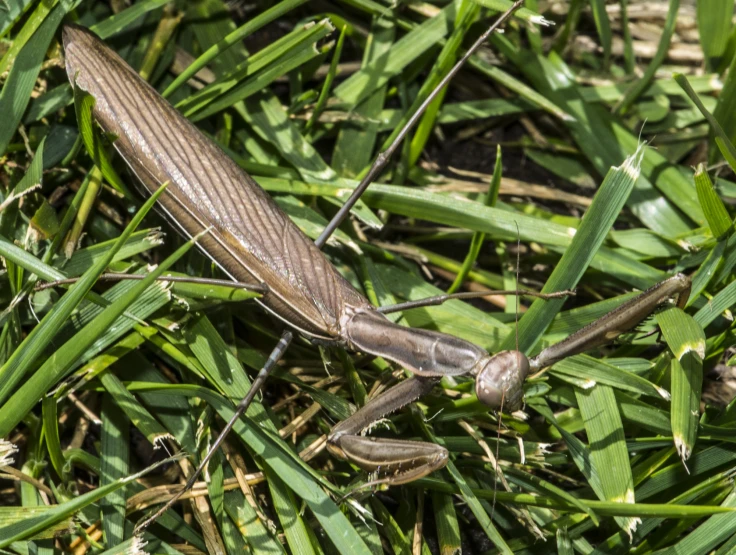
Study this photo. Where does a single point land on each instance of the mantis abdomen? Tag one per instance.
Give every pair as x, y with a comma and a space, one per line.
250, 237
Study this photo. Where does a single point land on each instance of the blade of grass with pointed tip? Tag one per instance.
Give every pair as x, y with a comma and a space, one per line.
597, 221
715, 212
584, 367
686, 340
153, 431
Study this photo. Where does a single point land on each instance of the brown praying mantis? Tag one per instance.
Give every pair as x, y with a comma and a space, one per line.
254, 242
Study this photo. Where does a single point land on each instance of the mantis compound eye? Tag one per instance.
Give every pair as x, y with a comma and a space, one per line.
501, 380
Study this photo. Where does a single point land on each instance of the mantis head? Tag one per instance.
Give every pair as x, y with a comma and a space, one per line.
500, 380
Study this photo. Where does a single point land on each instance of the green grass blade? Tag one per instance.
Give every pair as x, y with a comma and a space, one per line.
325, 92
448, 528
120, 21
18, 86
57, 513
51, 433
153, 431
294, 526
525, 14
235, 37
714, 28
728, 150
686, 340
607, 447
594, 227
114, 465
603, 26
375, 74
711, 533
93, 140
34, 22
355, 144
257, 72
664, 44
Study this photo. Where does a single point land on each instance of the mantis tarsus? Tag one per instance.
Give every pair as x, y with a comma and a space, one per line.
254, 242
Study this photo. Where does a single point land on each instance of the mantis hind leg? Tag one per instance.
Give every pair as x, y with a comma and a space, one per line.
276, 354
395, 461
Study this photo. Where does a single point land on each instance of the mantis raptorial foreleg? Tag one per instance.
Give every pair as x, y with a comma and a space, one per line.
403, 461
398, 462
